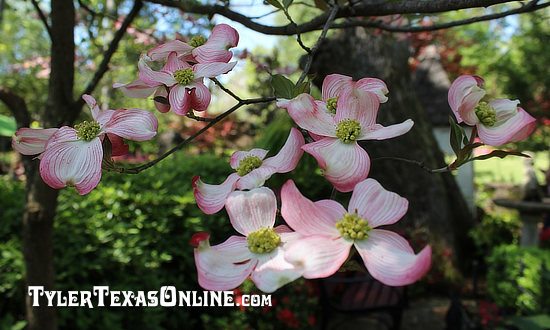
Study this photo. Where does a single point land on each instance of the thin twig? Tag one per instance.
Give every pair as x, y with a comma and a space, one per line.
417, 163
136, 170
298, 35
310, 55
223, 88
191, 115
42, 17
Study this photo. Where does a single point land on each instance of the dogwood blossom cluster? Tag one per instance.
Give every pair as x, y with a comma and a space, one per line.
179, 85
318, 236
498, 122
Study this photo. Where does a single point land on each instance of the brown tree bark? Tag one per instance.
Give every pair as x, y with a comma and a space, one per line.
435, 200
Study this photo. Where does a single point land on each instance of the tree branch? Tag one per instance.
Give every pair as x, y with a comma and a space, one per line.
104, 65
17, 105
136, 170
417, 163
42, 17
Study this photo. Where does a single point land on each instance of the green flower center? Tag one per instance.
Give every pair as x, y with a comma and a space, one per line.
331, 104
486, 114
264, 240
184, 76
197, 41
353, 227
348, 130
87, 131
248, 164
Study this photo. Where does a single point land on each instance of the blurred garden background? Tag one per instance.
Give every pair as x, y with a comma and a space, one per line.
132, 232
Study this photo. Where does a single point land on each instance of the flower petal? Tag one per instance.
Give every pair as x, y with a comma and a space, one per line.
162, 92
180, 100
333, 85
307, 217
173, 63
161, 52
119, 148
377, 205
379, 132
135, 89
69, 161
216, 48
154, 78
344, 165
30, 141
375, 86
256, 178
510, 129
309, 115
238, 156
133, 124
289, 155
390, 259
92, 103
211, 70
357, 104
464, 94
224, 266
252, 210
200, 97
273, 271
211, 197
318, 256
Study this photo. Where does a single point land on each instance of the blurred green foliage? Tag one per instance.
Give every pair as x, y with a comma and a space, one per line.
518, 278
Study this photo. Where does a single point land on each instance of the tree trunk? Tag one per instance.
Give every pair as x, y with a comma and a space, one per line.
435, 200
41, 203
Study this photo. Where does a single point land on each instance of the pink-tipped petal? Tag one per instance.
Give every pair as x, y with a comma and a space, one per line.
135, 89
307, 217
333, 85
154, 78
252, 210
377, 205
357, 104
72, 162
513, 129
256, 178
92, 103
180, 100
211, 197
173, 63
343, 164
224, 266
200, 97
273, 271
211, 70
379, 132
390, 259
119, 148
464, 94
30, 141
216, 48
162, 92
133, 124
289, 155
238, 156
375, 86
318, 256
161, 52
309, 115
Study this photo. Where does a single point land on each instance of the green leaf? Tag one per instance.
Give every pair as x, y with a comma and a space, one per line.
287, 3
275, 3
500, 154
301, 88
321, 4
282, 86
456, 136
466, 152
534, 322
8, 126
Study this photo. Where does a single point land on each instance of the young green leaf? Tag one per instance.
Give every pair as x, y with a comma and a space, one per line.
275, 3
282, 86
301, 88
287, 3
500, 154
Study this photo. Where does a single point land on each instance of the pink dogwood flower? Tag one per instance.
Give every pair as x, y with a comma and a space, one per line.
346, 115
498, 122
260, 254
73, 156
252, 171
328, 232
187, 90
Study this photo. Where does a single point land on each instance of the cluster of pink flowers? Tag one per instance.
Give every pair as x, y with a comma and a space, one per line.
318, 236
179, 84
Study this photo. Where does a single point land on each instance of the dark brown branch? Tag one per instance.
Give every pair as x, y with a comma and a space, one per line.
191, 115
530, 7
104, 65
358, 10
42, 17
17, 105
223, 88
136, 170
